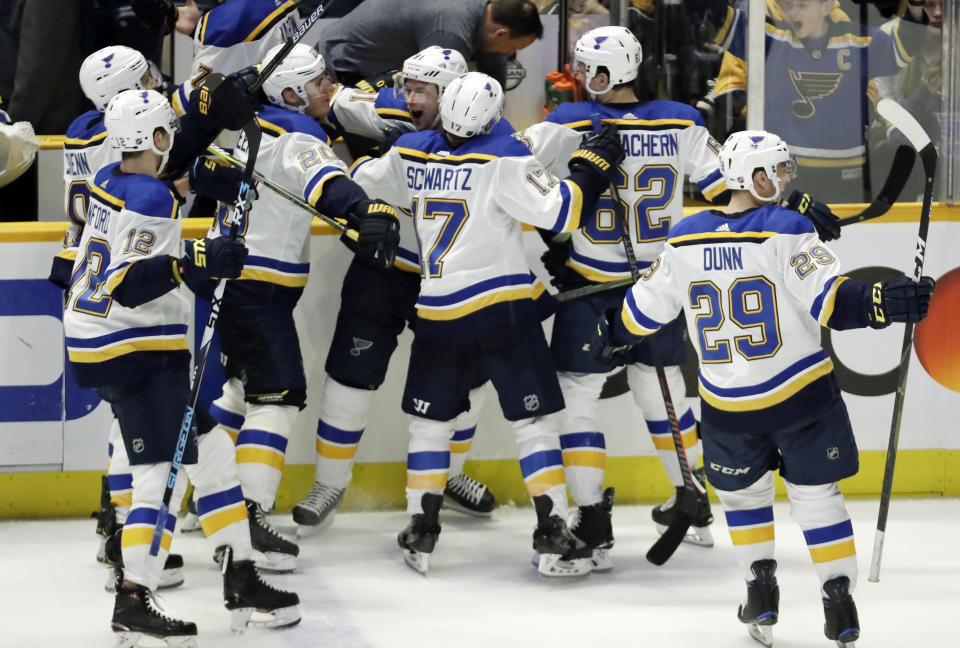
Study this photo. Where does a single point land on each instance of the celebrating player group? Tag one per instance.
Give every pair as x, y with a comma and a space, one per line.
434, 218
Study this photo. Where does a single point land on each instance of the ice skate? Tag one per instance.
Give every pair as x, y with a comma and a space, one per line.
316, 511
191, 521
594, 529
106, 518
251, 601
699, 532
762, 608
469, 496
279, 554
842, 624
420, 537
558, 553
136, 615
170, 577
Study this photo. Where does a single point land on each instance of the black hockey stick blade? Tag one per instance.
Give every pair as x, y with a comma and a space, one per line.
576, 293
685, 507
896, 179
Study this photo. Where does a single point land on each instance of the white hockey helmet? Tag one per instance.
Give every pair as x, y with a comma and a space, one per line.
615, 48
109, 71
471, 105
746, 151
301, 65
132, 117
433, 65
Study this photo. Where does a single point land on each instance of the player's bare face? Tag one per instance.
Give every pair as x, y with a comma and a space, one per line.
808, 17
318, 92
423, 103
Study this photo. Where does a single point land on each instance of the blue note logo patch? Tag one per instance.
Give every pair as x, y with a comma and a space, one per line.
359, 346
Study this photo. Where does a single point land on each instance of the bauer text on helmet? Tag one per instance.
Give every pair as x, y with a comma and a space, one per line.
471, 106
133, 118
746, 152
614, 51
111, 70
299, 82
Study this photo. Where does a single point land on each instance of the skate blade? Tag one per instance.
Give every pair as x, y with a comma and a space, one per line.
699, 536
454, 505
243, 618
761, 633
553, 566
601, 560
416, 560
277, 563
307, 530
142, 640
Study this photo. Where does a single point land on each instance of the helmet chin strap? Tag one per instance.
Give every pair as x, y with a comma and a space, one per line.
776, 194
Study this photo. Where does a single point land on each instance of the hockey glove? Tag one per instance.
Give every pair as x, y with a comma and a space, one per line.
216, 180
159, 15
390, 135
378, 231
243, 80
824, 220
898, 300
209, 259
604, 347
599, 154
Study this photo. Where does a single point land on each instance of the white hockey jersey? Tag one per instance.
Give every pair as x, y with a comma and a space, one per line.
85, 151
234, 35
468, 205
295, 154
665, 142
362, 113
131, 217
755, 288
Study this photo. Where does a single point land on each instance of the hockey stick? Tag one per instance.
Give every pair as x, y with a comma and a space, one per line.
686, 502
908, 125
896, 179
592, 289
296, 200
232, 100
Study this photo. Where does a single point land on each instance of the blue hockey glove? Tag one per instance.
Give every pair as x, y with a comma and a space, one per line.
825, 221
898, 300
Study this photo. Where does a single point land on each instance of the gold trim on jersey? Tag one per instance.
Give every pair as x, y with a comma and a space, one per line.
133, 346
271, 276
317, 191
631, 323
270, 126
393, 112
830, 301
715, 189
633, 122
76, 141
479, 303
117, 277
360, 160
428, 157
110, 199
720, 236
790, 387
70, 254
266, 23
203, 27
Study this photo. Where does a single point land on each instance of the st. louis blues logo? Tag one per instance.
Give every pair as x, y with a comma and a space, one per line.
599, 40
812, 86
144, 96
489, 89
446, 54
360, 345
107, 60
756, 139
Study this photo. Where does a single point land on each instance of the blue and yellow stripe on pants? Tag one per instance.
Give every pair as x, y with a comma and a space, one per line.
542, 471
750, 527
334, 443
218, 511
261, 447
428, 470
138, 529
830, 543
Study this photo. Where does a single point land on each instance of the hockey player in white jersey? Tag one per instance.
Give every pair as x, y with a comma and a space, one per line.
665, 143
103, 75
376, 303
232, 36
757, 285
126, 323
468, 192
266, 383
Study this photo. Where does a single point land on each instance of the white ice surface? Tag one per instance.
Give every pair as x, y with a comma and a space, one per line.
356, 592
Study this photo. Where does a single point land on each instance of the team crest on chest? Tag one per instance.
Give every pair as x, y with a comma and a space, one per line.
812, 86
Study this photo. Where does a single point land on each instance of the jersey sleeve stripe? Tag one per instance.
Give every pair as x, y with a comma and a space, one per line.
571, 206
712, 186
270, 127
394, 113
77, 143
179, 100
314, 188
823, 305
724, 32
360, 161
116, 275
203, 27
635, 320
270, 21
